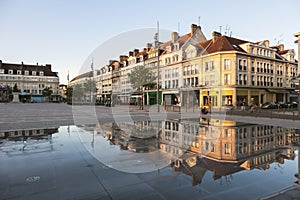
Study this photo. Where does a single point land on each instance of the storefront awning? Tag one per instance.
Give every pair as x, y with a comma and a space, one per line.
277, 91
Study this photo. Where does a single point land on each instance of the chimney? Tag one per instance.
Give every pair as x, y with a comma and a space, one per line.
37, 64
48, 66
135, 52
130, 53
175, 37
122, 58
0, 63
194, 27
267, 43
281, 47
148, 45
110, 61
215, 35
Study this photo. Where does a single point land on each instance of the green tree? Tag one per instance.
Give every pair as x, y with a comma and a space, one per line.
69, 94
47, 93
77, 92
141, 77
90, 89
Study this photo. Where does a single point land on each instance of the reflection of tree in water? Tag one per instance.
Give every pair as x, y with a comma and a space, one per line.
139, 137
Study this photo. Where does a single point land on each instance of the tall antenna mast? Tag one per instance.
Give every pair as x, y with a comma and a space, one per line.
199, 20
178, 27
220, 29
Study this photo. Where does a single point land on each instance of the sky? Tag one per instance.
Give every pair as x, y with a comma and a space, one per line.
64, 33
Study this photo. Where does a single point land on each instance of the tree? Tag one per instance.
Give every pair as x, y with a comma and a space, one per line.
77, 92
69, 94
47, 93
141, 77
90, 89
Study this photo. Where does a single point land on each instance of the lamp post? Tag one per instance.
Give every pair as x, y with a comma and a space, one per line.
156, 40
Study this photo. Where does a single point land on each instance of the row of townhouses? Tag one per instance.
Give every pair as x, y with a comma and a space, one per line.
195, 71
30, 79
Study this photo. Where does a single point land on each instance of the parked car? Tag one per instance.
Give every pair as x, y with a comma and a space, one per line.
281, 104
269, 105
292, 104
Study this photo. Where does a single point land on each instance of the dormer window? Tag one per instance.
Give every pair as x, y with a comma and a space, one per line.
1, 71
10, 71
26, 72
169, 49
33, 73
41, 73
19, 72
176, 47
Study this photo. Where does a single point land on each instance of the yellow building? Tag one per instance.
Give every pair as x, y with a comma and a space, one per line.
233, 71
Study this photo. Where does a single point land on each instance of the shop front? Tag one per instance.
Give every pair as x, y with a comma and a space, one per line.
190, 98
150, 97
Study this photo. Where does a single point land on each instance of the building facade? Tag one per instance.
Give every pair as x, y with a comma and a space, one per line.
31, 79
193, 72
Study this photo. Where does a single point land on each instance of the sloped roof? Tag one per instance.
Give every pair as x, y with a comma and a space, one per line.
84, 75
222, 43
181, 39
25, 67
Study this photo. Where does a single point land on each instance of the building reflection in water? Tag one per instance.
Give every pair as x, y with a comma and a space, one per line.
26, 141
220, 146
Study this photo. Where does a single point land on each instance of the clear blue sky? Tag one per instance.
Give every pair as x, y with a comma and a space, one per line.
64, 32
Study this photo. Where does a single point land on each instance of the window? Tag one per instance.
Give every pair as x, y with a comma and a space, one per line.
240, 79
226, 79
10, 71
253, 80
33, 73
227, 148
240, 65
226, 64
209, 66
26, 72
206, 66
245, 79
252, 66
245, 65
1, 71
19, 72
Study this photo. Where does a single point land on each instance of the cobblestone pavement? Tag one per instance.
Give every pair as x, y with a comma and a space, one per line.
36, 115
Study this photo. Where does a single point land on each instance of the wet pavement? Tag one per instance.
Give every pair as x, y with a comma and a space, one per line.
62, 165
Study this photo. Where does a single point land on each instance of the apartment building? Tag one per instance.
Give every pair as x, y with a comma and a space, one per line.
194, 72
232, 71
31, 79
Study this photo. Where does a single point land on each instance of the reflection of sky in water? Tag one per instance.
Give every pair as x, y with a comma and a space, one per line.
238, 182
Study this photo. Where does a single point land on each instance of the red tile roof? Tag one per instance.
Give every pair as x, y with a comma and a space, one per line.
222, 43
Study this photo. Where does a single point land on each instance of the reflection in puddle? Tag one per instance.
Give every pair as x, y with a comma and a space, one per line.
28, 141
193, 147
180, 158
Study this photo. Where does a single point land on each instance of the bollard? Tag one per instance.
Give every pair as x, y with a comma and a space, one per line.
293, 115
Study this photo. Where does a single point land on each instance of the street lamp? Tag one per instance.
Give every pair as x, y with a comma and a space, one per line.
156, 42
